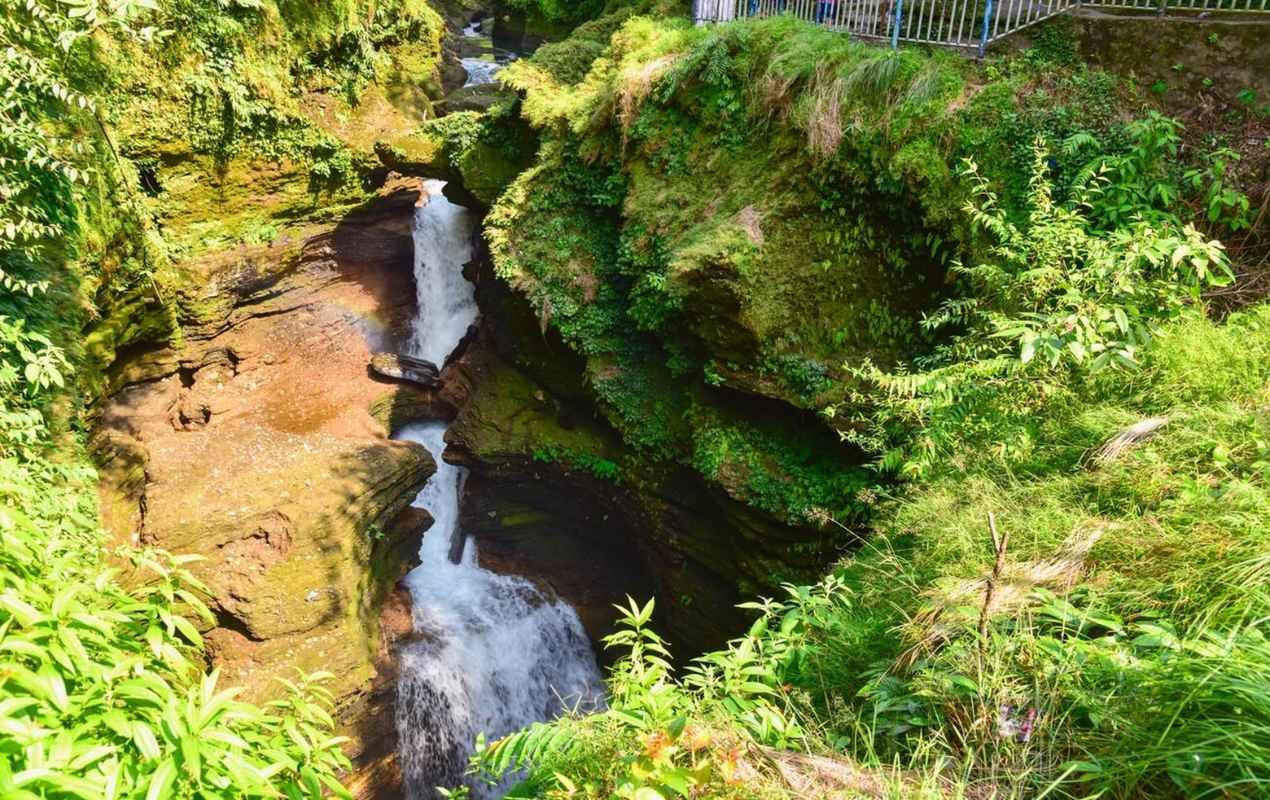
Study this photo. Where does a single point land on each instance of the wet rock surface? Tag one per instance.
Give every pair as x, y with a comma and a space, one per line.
477, 98
542, 502
262, 444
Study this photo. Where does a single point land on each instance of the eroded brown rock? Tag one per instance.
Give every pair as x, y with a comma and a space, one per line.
254, 446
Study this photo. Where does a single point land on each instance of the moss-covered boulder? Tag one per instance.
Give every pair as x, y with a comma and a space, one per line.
478, 148
733, 224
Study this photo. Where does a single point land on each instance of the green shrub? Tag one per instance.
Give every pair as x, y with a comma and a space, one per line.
1133, 623
103, 684
659, 736
1123, 652
1053, 295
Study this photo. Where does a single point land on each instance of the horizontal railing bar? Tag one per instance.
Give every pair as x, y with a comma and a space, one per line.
949, 23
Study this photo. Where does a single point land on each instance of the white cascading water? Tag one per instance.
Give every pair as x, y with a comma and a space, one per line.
493, 652
445, 300
481, 69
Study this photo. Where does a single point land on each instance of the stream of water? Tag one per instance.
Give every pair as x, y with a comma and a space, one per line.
483, 59
493, 652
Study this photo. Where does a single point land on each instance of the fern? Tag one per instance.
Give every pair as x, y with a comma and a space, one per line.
538, 743
1053, 294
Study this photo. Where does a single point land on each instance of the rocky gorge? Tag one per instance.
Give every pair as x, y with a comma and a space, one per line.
652, 399
254, 445
262, 444
260, 441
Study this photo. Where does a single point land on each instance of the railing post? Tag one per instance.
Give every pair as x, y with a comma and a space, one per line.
987, 21
895, 27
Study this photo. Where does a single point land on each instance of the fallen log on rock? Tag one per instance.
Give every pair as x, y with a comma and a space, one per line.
406, 368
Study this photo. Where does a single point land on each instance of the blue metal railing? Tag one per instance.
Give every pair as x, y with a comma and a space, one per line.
971, 24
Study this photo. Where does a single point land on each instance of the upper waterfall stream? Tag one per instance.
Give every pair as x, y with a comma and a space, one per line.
481, 58
494, 653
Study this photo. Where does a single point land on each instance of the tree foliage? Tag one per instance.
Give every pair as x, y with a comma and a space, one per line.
1052, 292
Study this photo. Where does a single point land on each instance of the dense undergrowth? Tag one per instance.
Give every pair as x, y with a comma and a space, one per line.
1002, 367
988, 279
1123, 653
103, 685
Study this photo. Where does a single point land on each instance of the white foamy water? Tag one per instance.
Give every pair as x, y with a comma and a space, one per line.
481, 70
446, 301
494, 653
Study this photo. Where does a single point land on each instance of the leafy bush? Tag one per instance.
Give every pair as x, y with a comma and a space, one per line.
56, 158
1127, 627
596, 465
1122, 653
103, 687
1053, 294
660, 737
1147, 180
1118, 652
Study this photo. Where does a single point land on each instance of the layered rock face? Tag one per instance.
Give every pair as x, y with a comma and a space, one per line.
253, 445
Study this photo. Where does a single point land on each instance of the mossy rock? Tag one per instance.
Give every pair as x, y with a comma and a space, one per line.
487, 170
480, 98
415, 154
509, 415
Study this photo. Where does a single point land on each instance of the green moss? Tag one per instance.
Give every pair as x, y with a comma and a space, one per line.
204, 209
141, 316
759, 207
248, 123
600, 467
480, 151
509, 414
795, 475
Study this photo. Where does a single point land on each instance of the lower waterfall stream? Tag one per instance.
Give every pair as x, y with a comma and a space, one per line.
493, 652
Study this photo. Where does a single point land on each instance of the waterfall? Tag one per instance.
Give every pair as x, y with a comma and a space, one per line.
479, 70
488, 59
444, 299
492, 653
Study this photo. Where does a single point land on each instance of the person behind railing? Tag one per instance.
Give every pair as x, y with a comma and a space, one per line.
824, 10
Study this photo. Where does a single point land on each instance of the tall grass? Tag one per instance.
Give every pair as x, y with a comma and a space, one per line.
1143, 663
1124, 652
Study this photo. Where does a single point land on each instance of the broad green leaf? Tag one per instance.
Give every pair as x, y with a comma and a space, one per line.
161, 780
146, 741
